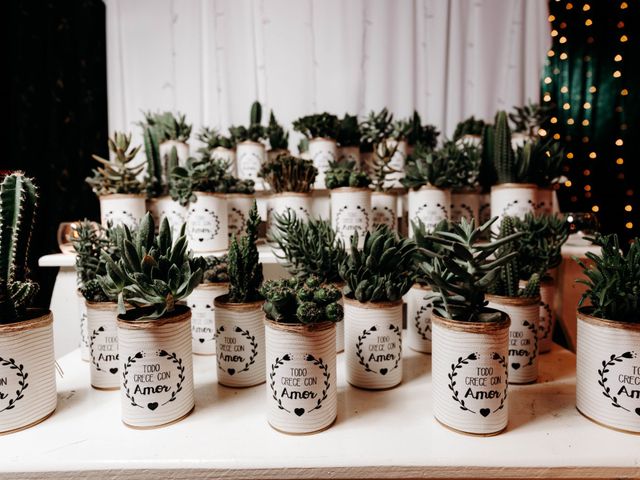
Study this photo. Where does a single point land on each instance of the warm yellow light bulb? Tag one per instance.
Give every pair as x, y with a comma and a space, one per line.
569, 155
624, 92
623, 38
586, 7
595, 209
563, 56
623, 5
554, 33
567, 183
628, 208
629, 225
564, 39
585, 123
554, 120
566, 106
547, 80
550, 53
564, 89
588, 22
551, 18
617, 74
617, 58
593, 155
547, 98
619, 142
620, 161
586, 105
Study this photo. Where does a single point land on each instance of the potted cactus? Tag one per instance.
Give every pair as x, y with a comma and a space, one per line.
384, 202
215, 282
350, 200
154, 338
290, 180
376, 278
217, 146
469, 132
419, 134
250, 151
321, 130
377, 130
240, 343
470, 340
348, 139
465, 193
309, 249
27, 362
278, 138
301, 355
116, 184
172, 131
609, 336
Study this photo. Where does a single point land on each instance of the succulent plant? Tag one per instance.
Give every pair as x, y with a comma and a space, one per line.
428, 167
309, 248
212, 139
214, 269
419, 134
424, 240
155, 168
277, 135
401, 129
612, 280
348, 131
380, 167
303, 145
244, 267
255, 132
298, 301
382, 271
461, 270
547, 160
465, 164
236, 185
18, 203
345, 174
200, 175
168, 126
287, 173
377, 127
469, 126
319, 125
151, 271
528, 118
117, 175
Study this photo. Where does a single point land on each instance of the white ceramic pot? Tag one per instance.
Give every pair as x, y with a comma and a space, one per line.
469, 375
465, 205
249, 159
384, 209
157, 369
513, 200
429, 204
547, 315
103, 344
207, 229
524, 313
182, 149
238, 208
240, 343
273, 154
545, 201
165, 207
121, 209
301, 376
419, 319
85, 351
226, 155
349, 154
203, 316
397, 162
321, 204
27, 372
298, 203
322, 151
373, 343
350, 213
607, 372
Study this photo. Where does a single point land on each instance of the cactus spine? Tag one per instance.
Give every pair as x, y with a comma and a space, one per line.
503, 153
245, 269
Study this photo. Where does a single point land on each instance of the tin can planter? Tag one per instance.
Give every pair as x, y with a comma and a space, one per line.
350, 213
419, 319
513, 200
547, 315
465, 205
373, 343
349, 154
384, 209
203, 316
182, 149
273, 154
299, 204
607, 372
238, 208
207, 229
469, 375
301, 376
122, 209
322, 151
545, 201
249, 158
321, 204
85, 351
103, 345
165, 207
157, 368
226, 155
240, 343
27, 370
524, 313
429, 204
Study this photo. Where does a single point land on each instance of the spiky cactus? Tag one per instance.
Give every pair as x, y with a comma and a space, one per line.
254, 132
277, 135
169, 126
419, 134
117, 175
245, 269
503, 152
18, 202
345, 174
287, 173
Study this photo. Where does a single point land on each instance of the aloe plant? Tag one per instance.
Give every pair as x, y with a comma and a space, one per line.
319, 125
469, 126
277, 135
18, 203
168, 126
345, 174
287, 173
244, 267
212, 139
348, 131
255, 132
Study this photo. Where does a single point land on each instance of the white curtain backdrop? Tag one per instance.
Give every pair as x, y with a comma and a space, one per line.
210, 59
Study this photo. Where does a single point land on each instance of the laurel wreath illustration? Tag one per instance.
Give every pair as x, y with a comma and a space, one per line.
423, 331
465, 208
92, 339
214, 226
254, 349
427, 207
546, 327
606, 390
339, 215
534, 331
387, 215
22, 382
360, 355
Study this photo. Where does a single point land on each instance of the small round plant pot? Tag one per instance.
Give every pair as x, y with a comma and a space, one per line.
607, 371
207, 229
349, 154
545, 200
384, 209
273, 154
419, 319
302, 395
465, 205
103, 345
469, 374
85, 351
157, 368
122, 209
203, 316
238, 208
182, 149
373, 343
429, 204
165, 207
226, 155
524, 313
299, 204
321, 204
322, 151
249, 158
27, 372
513, 200
350, 213
547, 315
240, 343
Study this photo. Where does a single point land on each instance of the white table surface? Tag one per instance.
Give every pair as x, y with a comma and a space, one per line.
385, 434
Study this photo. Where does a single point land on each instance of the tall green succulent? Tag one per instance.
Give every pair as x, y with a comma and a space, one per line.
382, 271
348, 131
424, 240
504, 158
319, 125
287, 173
345, 174
154, 182
168, 126
469, 126
465, 160
381, 165
277, 135
255, 132
244, 267
18, 203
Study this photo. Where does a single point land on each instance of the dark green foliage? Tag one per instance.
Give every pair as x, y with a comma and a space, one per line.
503, 156
383, 270
465, 162
214, 269
287, 173
344, 174
150, 271
277, 135
470, 126
18, 203
613, 280
168, 126
348, 131
254, 132
377, 127
301, 301
425, 135
487, 176
309, 248
244, 267
213, 139
547, 160
528, 118
117, 175
154, 182
319, 125
425, 243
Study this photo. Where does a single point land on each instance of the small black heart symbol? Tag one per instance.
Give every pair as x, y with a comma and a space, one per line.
637, 411
201, 340
515, 366
231, 371
299, 411
113, 370
201, 239
152, 406
485, 411
383, 371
